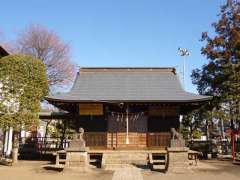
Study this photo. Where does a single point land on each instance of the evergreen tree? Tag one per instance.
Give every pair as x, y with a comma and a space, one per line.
220, 77
23, 84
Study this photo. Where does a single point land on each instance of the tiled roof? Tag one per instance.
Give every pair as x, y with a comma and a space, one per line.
127, 84
3, 52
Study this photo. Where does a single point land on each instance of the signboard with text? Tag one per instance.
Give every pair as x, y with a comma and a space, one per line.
91, 109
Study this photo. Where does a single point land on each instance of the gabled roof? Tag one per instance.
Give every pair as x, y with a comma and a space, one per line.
130, 84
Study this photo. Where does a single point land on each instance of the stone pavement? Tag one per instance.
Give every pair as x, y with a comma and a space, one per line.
129, 173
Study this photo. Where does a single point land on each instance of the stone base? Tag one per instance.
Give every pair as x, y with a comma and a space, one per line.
178, 159
77, 161
77, 149
177, 143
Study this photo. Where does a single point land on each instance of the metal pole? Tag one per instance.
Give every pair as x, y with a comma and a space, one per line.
184, 59
183, 52
127, 139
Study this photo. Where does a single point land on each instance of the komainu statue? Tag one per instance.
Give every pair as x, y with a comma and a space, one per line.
175, 134
177, 139
78, 143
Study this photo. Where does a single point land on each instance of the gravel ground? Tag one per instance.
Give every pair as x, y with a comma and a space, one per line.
206, 170
33, 170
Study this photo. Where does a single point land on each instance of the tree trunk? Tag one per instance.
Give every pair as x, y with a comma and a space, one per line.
3, 143
45, 136
15, 147
15, 155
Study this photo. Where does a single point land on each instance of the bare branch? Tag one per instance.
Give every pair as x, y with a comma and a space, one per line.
46, 45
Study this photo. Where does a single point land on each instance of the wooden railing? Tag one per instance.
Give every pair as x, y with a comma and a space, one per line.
96, 139
158, 139
99, 140
41, 145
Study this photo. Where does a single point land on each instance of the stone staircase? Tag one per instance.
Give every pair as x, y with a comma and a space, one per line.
114, 160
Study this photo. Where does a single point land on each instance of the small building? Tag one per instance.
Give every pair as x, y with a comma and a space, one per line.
127, 108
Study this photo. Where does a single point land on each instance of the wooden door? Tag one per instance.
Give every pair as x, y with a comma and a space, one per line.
137, 133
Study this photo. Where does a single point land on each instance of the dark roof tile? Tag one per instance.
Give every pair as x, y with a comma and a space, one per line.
128, 84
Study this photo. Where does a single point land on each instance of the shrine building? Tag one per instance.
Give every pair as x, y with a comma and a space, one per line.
127, 108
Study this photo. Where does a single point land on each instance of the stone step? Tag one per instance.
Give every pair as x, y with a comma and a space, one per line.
122, 159
160, 167
128, 157
145, 158
126, 162
116, 166
94, 160
159, 161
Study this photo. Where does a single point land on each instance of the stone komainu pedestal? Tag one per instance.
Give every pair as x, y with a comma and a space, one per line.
76, 154
178, 159
76, 160
177, 154
177, 143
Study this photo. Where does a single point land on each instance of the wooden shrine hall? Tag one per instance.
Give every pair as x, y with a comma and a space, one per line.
127, 108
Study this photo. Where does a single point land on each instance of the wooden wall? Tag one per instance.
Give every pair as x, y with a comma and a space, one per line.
92, 123
158, 139
148, 127
161, 119
118, 140
162, 124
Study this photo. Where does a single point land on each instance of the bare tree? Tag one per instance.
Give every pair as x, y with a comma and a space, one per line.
46, 45
3, 43
1, 36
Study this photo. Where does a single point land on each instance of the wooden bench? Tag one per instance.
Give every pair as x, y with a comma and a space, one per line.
237, 158
158, 161
194, 155
59, 159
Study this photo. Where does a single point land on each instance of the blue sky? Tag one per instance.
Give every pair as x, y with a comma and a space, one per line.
120, 32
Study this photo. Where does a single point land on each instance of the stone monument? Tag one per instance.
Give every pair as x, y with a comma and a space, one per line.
177, 153
76, 153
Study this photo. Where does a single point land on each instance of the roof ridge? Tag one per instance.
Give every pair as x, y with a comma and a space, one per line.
128, 69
